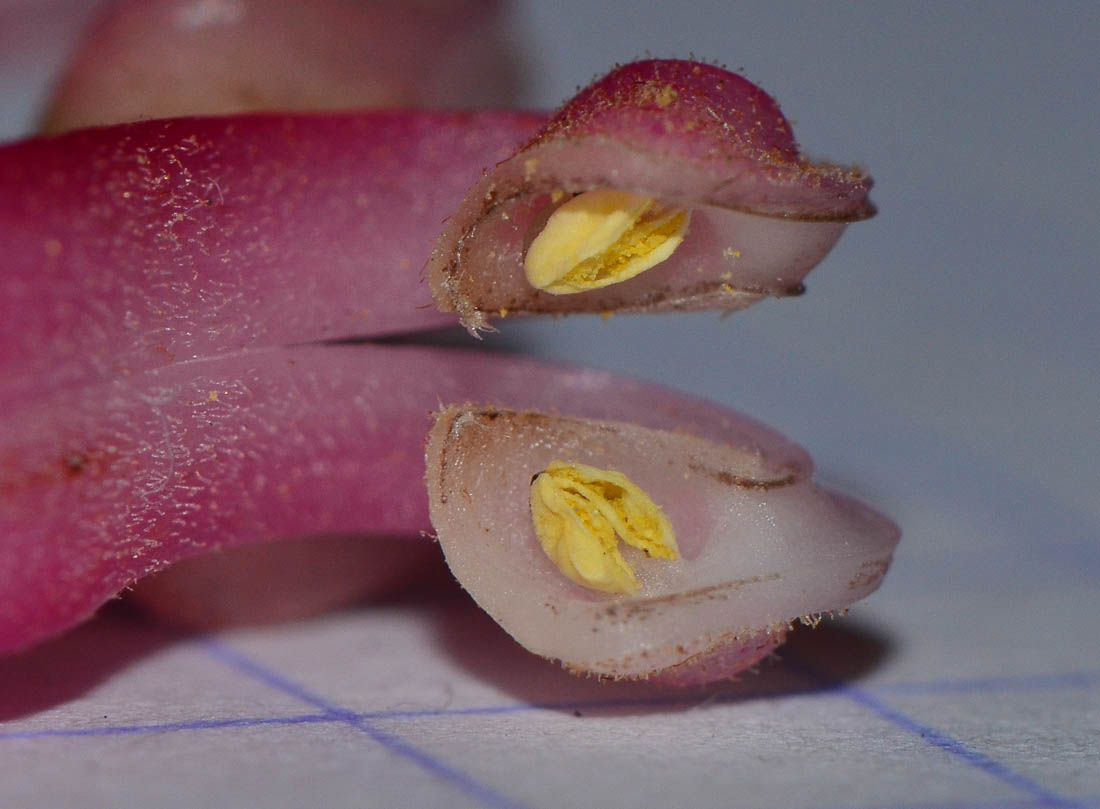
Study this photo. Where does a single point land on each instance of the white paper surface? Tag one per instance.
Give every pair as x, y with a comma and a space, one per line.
943, 366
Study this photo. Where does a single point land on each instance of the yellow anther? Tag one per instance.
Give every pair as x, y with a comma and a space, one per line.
601, 238
580, 512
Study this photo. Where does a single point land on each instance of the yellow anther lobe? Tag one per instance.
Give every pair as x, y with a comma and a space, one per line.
581, 512
601, 238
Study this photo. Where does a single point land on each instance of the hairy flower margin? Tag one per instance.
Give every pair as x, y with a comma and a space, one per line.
161, 279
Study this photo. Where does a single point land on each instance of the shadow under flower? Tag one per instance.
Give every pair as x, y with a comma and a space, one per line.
840, 652
69, 666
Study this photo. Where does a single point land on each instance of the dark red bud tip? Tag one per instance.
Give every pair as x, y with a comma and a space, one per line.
714, 109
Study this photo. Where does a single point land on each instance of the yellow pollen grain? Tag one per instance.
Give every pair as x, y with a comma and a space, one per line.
580, 513
600, 238
666, 95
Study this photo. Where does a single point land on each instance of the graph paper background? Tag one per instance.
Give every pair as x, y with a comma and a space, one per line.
943, 366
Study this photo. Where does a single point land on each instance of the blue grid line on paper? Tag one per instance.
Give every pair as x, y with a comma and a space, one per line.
353, 717
336, 716
962, 751
246, 665
273, 679
1036, 683
1044, 800
943, 741
167, 727
1082, 802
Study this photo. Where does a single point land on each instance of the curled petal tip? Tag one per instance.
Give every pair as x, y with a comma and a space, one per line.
757, 544
717, 207
712, 107
690, 109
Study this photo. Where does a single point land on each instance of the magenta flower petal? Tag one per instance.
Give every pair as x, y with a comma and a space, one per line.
760, 546
690, 135
158, 58
135, 246
105, 484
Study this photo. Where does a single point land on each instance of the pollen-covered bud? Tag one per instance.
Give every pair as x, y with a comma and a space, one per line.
630, 156
600, 238
580, 513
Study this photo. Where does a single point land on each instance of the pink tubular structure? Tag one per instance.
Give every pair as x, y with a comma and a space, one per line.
167, 288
